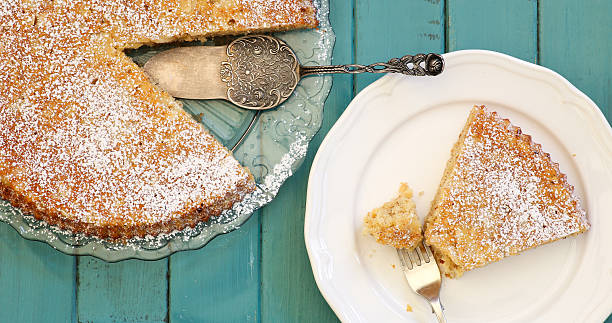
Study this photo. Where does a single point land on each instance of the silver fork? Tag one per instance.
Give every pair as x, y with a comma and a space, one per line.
423, 275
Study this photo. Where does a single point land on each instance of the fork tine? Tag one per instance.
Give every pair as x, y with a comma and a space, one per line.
414, 258
408, 260
423, 275
429, 253
401, 257
422, 255
406, 263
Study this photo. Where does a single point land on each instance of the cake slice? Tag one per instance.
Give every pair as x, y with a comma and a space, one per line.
395, 223
500, 195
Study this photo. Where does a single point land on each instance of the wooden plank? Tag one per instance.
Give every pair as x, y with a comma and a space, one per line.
127, 291
289, 292
387, 29
37, 281
220, 282
575, 42
509, 27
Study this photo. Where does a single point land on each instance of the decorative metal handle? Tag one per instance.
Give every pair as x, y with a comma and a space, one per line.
417, 65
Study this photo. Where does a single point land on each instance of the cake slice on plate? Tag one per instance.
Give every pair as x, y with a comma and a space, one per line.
500, 195
395, 223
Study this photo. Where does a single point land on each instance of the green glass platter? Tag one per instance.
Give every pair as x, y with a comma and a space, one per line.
272, 144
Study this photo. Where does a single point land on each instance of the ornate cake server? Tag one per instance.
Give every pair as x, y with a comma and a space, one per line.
258, 72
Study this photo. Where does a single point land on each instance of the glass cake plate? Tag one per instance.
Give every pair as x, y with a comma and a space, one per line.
272, 144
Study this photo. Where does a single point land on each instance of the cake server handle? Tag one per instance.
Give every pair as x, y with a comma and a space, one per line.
416, 65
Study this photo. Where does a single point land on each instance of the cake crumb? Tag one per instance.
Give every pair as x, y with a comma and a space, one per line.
573, 155
408, 308
395, 223
421, 193
393, 265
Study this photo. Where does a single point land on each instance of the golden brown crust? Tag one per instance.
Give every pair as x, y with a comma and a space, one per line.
500, 195
87, 143
119, 231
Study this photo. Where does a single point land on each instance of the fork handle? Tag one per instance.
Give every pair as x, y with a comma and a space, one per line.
436, 307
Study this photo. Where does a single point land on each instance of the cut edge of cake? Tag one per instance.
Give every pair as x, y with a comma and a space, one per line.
199, 211
445, 264
444, 259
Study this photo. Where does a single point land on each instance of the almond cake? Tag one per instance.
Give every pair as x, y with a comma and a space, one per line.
87, 143
500, 195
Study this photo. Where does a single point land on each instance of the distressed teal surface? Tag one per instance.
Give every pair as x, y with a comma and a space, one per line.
128, 291
261, 272
387, 29
220, 282
36, 282
289, 293
576, 42
505, 26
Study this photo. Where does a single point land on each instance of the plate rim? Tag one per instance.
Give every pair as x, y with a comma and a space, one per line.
537, 72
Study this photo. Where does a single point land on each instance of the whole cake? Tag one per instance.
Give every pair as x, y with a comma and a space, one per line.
500, 194
395, 223
87, 143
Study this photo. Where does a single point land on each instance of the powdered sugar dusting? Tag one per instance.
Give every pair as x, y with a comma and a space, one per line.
502, 196
161, 245
85, 137
142, 247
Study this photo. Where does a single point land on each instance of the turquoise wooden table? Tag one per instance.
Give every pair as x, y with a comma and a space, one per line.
261, 272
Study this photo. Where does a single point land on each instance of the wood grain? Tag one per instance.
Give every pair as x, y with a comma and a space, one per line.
220, 282
128, 291
289, 293
576, 41
37, 282
261, 272
387, 29
509, 27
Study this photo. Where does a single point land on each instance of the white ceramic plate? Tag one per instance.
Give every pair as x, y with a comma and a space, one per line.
402, 129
